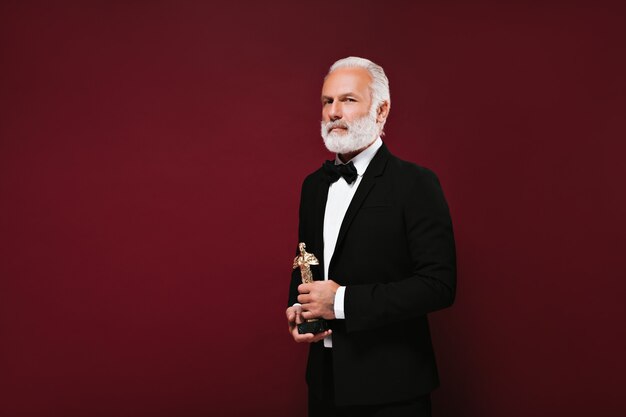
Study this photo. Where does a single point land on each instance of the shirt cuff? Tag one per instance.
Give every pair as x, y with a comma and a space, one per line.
338, 307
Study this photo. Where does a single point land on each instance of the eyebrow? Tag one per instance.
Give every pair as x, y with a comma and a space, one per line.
340, 96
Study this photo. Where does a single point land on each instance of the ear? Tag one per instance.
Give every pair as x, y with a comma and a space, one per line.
383, 111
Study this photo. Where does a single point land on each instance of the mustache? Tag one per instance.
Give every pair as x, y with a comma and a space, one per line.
337, 123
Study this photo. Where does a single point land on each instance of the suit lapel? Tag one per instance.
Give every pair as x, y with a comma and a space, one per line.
320, 209
374, 170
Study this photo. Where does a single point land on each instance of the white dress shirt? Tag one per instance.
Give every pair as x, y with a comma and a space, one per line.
340, 195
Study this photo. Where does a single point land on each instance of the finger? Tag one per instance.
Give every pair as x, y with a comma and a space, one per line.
304, 298
310, 337
304, 288
302, 338
310, 314
321, 336
291, 312
299, 319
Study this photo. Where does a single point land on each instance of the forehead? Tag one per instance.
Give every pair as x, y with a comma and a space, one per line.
347, 80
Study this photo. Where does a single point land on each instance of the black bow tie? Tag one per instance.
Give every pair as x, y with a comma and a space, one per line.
347, 171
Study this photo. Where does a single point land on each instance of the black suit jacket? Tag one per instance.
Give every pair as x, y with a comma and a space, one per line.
395, 255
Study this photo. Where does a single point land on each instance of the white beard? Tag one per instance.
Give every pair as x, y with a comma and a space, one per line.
361, 133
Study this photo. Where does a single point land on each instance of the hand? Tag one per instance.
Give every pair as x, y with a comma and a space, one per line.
318, 299
294, 317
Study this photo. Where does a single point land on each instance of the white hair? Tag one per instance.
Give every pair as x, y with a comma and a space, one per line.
379, 84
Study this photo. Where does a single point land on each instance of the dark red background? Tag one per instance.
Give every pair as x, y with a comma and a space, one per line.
151, 155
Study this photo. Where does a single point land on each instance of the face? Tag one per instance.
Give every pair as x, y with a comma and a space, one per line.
348, 118
346, 95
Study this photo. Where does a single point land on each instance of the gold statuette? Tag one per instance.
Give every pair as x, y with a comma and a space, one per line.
304, 262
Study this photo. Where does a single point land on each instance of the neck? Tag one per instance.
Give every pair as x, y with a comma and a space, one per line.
345, 157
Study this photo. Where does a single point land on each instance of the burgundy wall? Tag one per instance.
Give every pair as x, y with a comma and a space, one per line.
151, 155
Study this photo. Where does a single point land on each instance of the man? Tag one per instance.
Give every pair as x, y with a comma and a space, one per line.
381, 230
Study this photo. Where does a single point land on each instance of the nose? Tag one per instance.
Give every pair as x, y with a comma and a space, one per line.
334, 112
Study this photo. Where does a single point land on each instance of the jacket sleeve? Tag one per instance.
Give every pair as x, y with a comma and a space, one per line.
431, 284
296, 278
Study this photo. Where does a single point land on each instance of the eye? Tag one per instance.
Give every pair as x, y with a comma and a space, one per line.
326, 101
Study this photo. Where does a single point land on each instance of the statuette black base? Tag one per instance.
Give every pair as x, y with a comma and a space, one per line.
313, 326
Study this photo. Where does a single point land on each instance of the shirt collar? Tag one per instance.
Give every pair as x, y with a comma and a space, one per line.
362, 160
